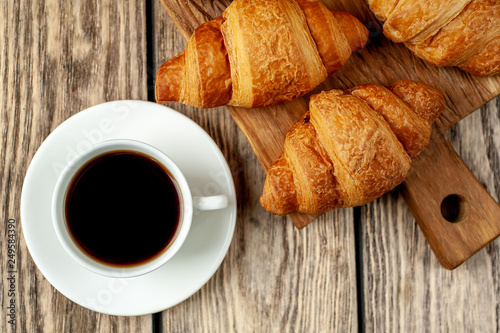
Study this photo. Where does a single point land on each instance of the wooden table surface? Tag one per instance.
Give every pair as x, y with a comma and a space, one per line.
362, 269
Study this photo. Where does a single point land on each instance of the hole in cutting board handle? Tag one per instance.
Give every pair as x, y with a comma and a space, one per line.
454, 208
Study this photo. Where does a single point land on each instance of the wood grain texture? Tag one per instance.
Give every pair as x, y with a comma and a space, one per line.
455, 212
405, 287
57, 58
381, 62
274, 278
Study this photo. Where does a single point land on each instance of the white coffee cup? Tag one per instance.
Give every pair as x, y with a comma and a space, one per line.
187, 204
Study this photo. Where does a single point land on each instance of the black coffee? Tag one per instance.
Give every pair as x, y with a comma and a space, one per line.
123, 208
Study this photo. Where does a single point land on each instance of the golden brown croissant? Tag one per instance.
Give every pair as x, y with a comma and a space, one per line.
260, 52
463, 33
351, 147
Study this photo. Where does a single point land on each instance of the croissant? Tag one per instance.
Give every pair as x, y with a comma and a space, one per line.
259, 53
462, 33
351, 147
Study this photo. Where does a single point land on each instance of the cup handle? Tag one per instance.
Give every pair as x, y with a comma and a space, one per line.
210, 203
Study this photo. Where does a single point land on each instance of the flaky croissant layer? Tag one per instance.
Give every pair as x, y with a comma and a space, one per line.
351, 147
462, 33
259, 53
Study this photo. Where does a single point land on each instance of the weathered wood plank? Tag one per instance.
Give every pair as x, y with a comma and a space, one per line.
57, 58
405, 287
274, 278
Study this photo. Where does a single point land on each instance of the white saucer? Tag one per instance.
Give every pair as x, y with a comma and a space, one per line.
206, 171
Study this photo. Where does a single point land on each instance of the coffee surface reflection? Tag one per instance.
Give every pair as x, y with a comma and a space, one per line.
123, 208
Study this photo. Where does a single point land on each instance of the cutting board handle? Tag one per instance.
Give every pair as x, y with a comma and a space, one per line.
455, 212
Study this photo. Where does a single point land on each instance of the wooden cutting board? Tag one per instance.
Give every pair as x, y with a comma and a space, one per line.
384, 62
